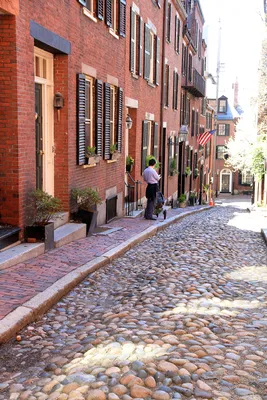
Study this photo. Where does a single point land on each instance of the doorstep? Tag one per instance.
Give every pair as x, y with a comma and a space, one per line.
135, 214
68, 233
20, 253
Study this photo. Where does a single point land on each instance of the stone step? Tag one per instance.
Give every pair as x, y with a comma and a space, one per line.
68, 233
20, 253
60, 219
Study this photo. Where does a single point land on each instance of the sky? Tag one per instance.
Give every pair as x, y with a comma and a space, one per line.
242, 32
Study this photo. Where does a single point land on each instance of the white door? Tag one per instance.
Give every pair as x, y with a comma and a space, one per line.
43, 70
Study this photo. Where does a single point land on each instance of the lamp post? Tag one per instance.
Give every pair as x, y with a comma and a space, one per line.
217, 108
202, 160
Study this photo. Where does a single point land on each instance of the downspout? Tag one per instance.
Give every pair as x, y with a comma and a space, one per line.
162, 139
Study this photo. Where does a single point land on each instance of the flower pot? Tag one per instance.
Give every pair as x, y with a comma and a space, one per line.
115, 156
192, 201
183, 204
89, 218
129, 167
42, 233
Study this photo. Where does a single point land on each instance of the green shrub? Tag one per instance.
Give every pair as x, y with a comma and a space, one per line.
182, 198
86, 199
45, 206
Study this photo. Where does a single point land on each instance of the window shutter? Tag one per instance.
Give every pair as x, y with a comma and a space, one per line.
147, 53
141, 26
197, 124
81, 119
109, 13
132, 46
156, 141
178, 35
82, 2
122, 18
193, 124
107, 122
157, 59
227, 129
99, 117
144, 144
176, 146
100, 9
174, 90
119, 124
170, 22
169, 155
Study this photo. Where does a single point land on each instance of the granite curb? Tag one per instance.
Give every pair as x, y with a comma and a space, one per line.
42, 302
264, 234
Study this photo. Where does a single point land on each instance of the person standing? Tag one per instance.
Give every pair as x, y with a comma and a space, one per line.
151, 178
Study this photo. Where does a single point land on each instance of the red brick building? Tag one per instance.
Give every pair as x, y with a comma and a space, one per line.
72, 72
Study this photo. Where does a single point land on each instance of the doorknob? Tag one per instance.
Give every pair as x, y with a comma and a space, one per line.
41, 152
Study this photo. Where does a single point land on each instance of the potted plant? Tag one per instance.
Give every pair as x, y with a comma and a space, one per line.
91, 155
173, 167
114, 154
149, 157
45, 207
192, 198
129, 163
196, 173
187, 171
86, 200
182, 200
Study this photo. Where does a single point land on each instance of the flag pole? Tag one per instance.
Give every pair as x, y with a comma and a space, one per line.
216, 115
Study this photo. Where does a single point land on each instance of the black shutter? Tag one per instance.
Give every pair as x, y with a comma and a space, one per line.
156, 141
81, 119
170, 144
122, 18
147, 53
99, 117
132, 42
193, 124
169, 22
107, 122
141, 28
157, 59
144, 144
82, 2
119, 124
227, 129
109, 13
178, 36
100, 9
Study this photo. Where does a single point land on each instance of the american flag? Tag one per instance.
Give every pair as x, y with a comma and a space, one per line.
203, 138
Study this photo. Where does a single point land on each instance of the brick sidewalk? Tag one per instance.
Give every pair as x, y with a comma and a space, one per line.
23, 281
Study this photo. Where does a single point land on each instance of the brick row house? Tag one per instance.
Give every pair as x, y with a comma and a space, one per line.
73, 73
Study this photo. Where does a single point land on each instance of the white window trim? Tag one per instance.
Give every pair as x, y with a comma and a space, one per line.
112, 114
152, 57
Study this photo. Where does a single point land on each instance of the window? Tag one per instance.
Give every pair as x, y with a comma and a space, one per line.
136, 49
208, 120
223, 129
149, 141
89, 112
112, 114
199, 44
177, 34
168, 23
111, 14
193, 124
184, 59
222, 106
90, 5
175, 90
220, 150
207, 149
246, 178
182, 109
203, 105
166, 85
152, 56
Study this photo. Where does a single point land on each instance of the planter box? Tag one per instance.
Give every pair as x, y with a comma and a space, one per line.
89, 218
43, 233
93, 160
183, 204
192, 201
115, 156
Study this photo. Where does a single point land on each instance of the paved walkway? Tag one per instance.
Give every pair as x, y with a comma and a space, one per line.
23, 281
181, 315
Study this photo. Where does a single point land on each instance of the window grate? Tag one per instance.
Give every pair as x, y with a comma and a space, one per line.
111, 208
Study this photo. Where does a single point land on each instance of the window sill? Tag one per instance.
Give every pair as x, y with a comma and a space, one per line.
151, 84
111, 31
89, 14
135, 76
89, 166
111, 161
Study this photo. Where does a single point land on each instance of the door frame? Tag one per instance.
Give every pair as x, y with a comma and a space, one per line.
47, 83
229, 173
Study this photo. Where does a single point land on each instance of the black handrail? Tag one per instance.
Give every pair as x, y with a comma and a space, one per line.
129, 199
137, 190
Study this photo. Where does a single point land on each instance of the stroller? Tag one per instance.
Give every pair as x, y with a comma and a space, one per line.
159, 207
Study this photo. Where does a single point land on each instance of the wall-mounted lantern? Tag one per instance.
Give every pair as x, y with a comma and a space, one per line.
58, 103
183, 132
129, 122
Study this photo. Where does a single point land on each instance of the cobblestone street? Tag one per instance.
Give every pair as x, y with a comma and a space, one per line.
181, 316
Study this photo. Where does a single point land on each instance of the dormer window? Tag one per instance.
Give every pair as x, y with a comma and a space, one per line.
222, 105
